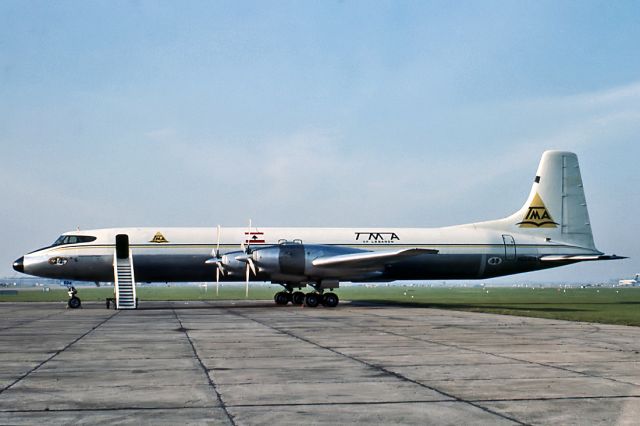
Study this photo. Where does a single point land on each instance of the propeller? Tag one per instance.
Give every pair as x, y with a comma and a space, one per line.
218, 263
245, 257
218, 260
251, 267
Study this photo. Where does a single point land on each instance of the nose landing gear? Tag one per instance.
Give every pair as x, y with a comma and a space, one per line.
74, 301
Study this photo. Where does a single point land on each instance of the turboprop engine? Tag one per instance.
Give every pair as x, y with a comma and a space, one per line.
291, 259
231, 263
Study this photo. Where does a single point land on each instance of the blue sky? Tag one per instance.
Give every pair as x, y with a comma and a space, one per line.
313, 113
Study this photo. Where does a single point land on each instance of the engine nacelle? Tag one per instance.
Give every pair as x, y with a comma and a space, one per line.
295, 259
232, 265
288, 259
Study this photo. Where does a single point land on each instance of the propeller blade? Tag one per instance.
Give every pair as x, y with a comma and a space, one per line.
220, 267
218, 242
248, 239
252, 266
246, 285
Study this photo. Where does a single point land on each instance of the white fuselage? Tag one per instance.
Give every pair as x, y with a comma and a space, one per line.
464, 252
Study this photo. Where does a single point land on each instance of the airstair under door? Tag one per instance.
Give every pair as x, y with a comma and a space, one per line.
124, 278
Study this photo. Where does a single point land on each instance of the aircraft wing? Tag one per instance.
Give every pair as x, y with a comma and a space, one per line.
579, 258
369, 258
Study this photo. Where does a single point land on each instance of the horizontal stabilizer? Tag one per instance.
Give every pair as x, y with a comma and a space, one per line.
579, 258
370, 258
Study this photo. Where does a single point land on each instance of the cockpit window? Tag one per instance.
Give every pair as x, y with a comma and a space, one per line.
73, 239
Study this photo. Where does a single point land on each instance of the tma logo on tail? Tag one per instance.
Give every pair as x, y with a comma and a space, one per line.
537, 215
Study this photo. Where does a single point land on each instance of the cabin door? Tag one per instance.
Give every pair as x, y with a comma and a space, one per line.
509, 247
122, 246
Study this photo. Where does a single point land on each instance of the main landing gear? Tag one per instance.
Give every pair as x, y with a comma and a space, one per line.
312, 299
74, 301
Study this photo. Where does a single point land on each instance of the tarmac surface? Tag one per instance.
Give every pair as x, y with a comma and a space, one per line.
257, 363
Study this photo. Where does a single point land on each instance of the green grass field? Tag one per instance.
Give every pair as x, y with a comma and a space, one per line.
604, 305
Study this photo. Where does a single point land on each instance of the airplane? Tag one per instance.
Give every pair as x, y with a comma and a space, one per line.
551, 229
633, 282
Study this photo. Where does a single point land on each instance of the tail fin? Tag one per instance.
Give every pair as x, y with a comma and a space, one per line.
556, 207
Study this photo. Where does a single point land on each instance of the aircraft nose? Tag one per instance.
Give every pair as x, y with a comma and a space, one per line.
18, 265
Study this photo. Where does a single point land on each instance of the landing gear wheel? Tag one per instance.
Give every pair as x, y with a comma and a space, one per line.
330, 300
74, 303
281, 298
297, 298
312, 299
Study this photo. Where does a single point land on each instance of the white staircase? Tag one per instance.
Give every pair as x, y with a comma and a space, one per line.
125, 282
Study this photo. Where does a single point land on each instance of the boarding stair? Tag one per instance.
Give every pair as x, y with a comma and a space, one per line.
124, 282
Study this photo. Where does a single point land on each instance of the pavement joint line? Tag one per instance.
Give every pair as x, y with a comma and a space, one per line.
294, 404
589, 339
558, 398
66, 410
293, 382
403, 365
586, 328
383, 381
58, 352
125, 386
212, 384
320, 404
562, 398
541, 364
473, 379
459, 347
384, 370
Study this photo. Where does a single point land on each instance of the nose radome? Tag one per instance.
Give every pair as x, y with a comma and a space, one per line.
18, 265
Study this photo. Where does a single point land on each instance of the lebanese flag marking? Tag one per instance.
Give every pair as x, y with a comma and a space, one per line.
254, 238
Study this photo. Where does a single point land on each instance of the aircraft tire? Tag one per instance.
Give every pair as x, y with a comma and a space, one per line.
312, 299
281, 298
330, 300
297, 298
74, 303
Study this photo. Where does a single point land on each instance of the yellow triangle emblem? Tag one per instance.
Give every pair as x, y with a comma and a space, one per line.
158, 238
537, 216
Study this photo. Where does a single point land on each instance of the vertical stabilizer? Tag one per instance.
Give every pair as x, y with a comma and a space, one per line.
556, 207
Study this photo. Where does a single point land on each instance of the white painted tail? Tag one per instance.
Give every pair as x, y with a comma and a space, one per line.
556, 207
